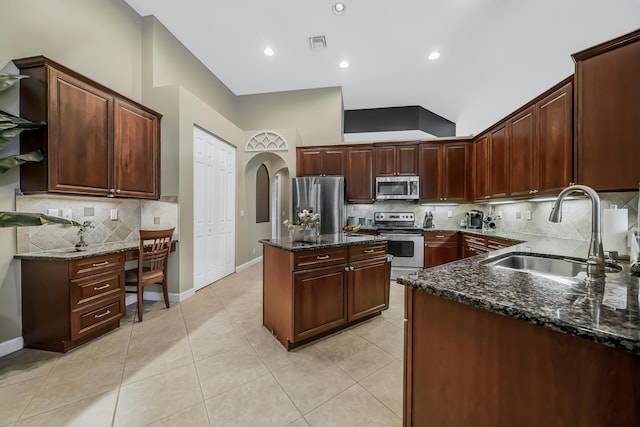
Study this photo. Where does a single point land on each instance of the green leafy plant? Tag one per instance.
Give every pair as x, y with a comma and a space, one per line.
84, 227
10, 127
25, 219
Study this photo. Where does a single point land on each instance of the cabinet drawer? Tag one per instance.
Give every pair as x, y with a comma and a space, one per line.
84, 267
88, 290
91, 318
440, 237
494, 245
319, 258
472, 240
364, 252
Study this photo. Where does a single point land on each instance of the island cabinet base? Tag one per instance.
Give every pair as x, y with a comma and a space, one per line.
312, 293
467, 366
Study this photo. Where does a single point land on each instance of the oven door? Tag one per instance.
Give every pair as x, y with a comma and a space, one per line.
407, 249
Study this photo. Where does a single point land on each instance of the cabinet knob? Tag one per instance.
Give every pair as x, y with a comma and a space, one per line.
118, 191
346, 269
572, 183
352, 268
487, 197
444, 198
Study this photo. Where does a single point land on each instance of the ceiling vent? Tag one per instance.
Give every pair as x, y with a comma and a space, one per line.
317, 42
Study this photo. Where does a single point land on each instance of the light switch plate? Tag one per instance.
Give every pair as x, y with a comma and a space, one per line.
528, 215
156, 220
52, 212
449, 214
66, 213
114, 214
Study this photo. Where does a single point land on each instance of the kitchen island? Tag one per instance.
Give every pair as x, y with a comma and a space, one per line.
326, 283
493, 346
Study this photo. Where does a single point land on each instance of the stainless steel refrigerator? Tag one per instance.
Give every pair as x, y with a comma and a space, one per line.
323, 195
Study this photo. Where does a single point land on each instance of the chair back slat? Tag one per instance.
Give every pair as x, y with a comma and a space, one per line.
153, 253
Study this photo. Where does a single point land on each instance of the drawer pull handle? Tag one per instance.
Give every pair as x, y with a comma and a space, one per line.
98, 288
369, 251
320, 258
439, 236
106, 313
100, 264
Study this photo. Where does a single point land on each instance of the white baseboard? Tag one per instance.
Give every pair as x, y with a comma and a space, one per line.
157, 296
10, 346
248, 264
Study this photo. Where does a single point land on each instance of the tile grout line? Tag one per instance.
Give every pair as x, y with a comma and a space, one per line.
124, 365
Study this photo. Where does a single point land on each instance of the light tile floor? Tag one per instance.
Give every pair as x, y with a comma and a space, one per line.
208, 361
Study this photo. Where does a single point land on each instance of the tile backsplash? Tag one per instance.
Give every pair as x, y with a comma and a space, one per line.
576, 214
132, 215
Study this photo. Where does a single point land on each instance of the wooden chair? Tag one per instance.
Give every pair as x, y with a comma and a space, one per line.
152, 264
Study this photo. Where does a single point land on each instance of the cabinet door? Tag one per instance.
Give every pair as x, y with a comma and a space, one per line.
385, 161
554, 145
522, 173
407, 160
136, 150
499, 162
79, 125
319, 301
481, 190
368, 290
360, 178
430, 161
455, 178
607, 106
309, 162
334, 162
439, 253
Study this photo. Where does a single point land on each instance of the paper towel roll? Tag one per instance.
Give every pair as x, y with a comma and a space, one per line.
615, 225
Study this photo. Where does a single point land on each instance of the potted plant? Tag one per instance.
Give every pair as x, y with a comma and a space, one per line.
82, 229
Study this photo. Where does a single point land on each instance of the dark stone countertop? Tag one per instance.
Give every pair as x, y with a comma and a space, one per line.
610, 317
70, 254
324, 241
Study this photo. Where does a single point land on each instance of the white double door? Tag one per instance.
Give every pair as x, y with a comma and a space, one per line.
214, 200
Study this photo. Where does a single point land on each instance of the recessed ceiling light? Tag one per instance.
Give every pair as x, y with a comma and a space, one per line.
338, 8
343, 64
268, 51
434, 55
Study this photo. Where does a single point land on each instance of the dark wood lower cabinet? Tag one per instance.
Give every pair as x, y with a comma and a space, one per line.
319, 302
467, 366
67, 303
313, 293
440, 247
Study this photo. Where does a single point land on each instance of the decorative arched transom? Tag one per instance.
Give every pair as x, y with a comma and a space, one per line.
266, 141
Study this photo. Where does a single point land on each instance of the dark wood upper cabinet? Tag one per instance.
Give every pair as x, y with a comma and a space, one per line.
96, 142
360, 179
521, 167
607, 123
498, 152
321, 161
394, 160
554, 144
444, 171
481, 190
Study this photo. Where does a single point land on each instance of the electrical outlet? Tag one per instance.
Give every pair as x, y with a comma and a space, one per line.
528, 215
449, 214
499, 216
66, 213
241, 212
114, 214
52, 212
254, 251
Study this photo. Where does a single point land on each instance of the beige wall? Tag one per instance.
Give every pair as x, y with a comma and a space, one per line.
137, 57
317, 113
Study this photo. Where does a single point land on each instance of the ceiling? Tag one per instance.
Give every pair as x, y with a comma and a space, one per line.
495, 54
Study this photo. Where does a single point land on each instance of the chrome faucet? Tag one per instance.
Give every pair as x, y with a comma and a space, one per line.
595, 258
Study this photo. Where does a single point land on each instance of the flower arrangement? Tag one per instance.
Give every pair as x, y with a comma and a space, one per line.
305, 219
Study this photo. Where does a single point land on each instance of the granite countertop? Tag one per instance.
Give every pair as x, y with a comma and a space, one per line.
70, 254
324, 241
610, 317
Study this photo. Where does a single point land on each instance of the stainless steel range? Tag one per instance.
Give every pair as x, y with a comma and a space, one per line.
406, 241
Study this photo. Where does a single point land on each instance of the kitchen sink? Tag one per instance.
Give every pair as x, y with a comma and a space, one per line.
538, 264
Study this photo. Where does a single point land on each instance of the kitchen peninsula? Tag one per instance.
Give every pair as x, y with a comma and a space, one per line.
496, 346
323, 284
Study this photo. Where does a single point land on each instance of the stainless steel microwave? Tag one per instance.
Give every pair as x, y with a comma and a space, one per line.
397, 188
